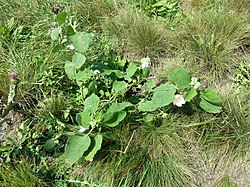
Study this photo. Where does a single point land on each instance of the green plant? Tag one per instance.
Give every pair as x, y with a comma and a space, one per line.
209, 39
108, 92
18, 174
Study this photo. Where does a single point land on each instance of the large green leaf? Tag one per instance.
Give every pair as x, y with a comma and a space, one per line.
75, 148
113, 119
211, 96
209, 107
163, 98
94, 147
78, 60
180, 77
91, 103
84, 118
116, 107
147, 106
81, 41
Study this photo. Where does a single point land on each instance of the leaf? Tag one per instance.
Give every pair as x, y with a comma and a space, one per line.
119, 86
180, 77
84, 75
78, 60
81, 41
191, 94
75, 147
150, 84
116, 107
211, 96
147, 106
130, 71
209, 107
61, 17
148, 117
55, 33
164, 87
49, 144
113, 119
70, 70
163, 98
69, 31
91, 103
94, 147
84, 119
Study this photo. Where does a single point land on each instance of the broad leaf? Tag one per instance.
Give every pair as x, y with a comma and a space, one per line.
147, 106
209, 107
94, 147
116, 107
190, 95
75, 148
180, 77
81, 41
91, 103
119, 86
70, 70
211, 96
61, 17
78, 60
55, 33
130, 71
150, 84
163, 98
84, 119
113, 119
84, 75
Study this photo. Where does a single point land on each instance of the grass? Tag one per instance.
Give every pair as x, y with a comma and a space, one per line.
141, 36
211, 40
19, 174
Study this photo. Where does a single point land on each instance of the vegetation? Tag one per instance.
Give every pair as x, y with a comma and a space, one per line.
124, 93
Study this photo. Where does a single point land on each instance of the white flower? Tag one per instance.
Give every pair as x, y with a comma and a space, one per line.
82, 129
96, 72
145, 62
195, 82
179, 100
53, 24
70, 46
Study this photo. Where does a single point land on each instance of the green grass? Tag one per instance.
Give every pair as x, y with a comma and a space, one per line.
141, 36
19, 174
210, 38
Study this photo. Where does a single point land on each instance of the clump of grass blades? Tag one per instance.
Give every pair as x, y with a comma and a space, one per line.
147, 156
141, 36
210, 38
18, 174
225, 182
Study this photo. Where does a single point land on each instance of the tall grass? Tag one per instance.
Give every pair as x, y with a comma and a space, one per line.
140, 35
210, 38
